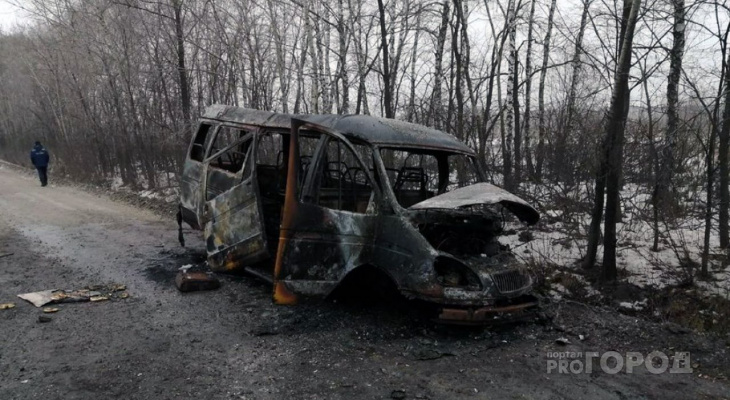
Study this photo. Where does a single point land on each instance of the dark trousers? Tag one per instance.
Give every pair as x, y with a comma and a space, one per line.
43, 175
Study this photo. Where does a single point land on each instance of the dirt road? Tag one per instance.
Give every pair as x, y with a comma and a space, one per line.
234, 344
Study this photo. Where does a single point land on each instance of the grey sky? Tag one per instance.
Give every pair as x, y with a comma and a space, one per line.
9, 15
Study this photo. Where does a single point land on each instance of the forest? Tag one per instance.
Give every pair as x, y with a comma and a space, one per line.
613, 117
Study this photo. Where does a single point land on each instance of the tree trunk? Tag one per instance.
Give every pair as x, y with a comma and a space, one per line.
494, 75
435, 107
414, 58
666, 172
181, 70
709, 160
655, 161
569, 129
388, 90
302, 62
361, 55
599, 191
280, 58
615, 130
456, 55
465, 49
723, 163
517, 175
315, 66
528, 91
344, 107
542, 128
511, 96
322, 33
615, 120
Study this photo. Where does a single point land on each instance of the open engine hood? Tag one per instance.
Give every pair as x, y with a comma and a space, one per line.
481, 193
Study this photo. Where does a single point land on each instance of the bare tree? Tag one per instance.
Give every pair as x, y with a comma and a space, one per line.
542, 127
609, 174
512, 112
386, 72
667, 165
723, 149
569, 125
528, 89
436, 105
343, 36
182, 71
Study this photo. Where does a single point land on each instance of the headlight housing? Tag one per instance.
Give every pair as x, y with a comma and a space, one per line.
451, 272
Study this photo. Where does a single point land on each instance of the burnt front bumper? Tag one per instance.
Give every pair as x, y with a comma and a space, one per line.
526, 307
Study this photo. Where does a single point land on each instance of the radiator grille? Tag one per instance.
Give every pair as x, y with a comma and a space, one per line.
511, 281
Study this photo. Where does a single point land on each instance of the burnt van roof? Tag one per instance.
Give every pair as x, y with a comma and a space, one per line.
380, 131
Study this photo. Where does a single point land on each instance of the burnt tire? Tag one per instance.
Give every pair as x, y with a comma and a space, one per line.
367, 286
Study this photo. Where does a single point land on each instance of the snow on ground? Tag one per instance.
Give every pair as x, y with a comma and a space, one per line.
635, 305
560, 240
169, 192
116, 183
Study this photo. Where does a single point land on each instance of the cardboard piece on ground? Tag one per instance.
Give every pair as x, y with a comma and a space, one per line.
38, 299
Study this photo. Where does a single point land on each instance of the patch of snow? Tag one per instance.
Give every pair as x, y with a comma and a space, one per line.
117, 183
636, 305
149, 194
563, 243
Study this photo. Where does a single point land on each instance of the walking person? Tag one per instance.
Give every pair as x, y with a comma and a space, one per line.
39, 157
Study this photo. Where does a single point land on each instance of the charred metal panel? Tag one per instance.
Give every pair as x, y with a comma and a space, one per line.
406, 256
360, 127
247, 116
326, 244
469, 239
218, 182
481, 193
389, 132
484, 315
327, 249
191, 197
234, 233
318, 244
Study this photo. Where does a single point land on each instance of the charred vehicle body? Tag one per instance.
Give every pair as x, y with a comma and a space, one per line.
305, 201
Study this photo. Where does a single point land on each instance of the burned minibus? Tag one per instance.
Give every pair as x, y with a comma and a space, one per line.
304, 201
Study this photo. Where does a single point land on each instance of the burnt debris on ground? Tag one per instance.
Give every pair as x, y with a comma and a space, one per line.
93, 293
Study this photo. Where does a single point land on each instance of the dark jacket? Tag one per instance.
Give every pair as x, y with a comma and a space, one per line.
39, 156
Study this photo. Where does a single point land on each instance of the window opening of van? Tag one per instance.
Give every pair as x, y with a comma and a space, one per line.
202, 139
416, 174
233, 158
340, 182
